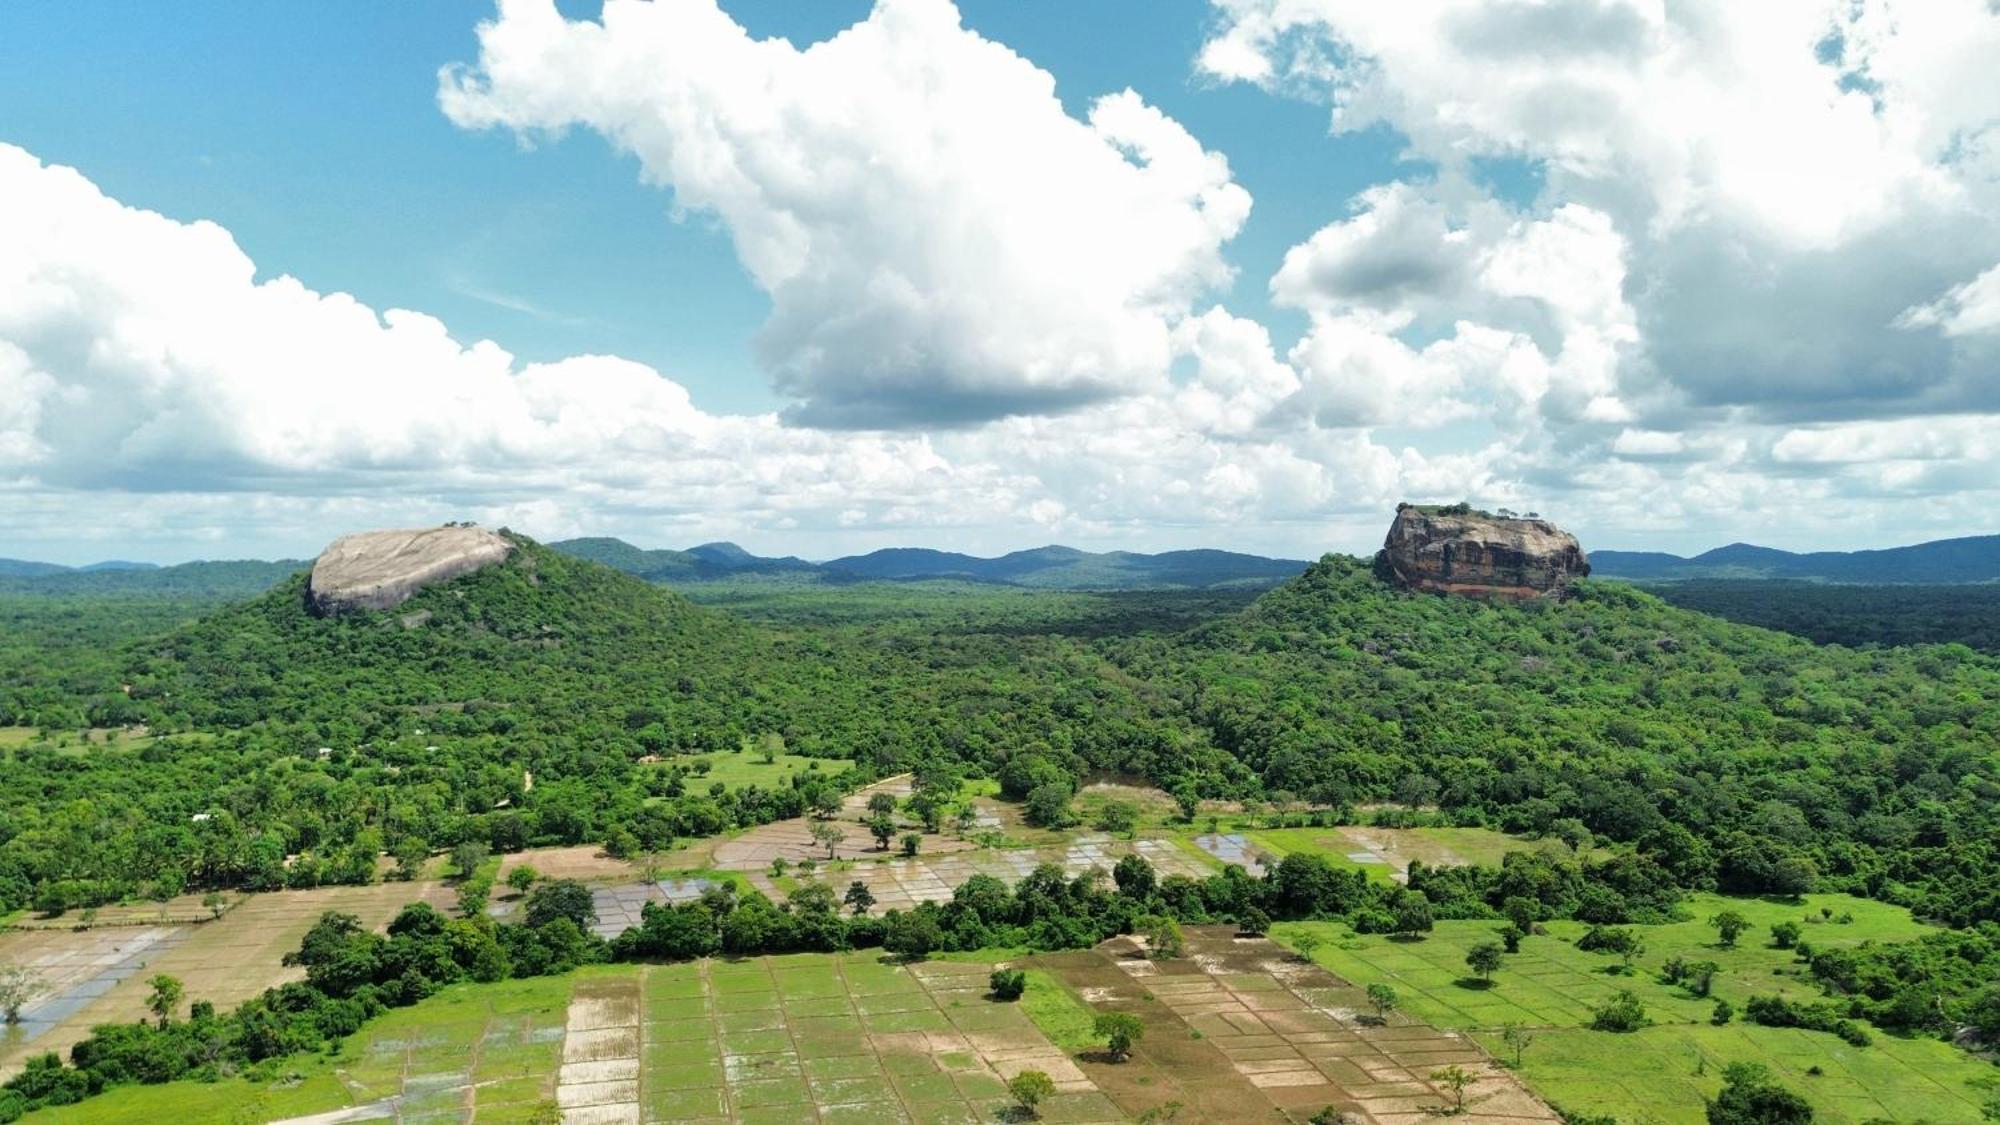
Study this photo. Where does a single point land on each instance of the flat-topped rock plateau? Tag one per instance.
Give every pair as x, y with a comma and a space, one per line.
1456, 549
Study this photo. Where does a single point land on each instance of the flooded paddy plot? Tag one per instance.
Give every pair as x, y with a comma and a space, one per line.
76, 970
1280, 1035
98, 976
1233, 847
902, 882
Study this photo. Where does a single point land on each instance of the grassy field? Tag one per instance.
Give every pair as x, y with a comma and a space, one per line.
506, 1037
808, 1037
747, 767
115, 737
1281, 842
1480, 846
1659, 1075
1060, 1015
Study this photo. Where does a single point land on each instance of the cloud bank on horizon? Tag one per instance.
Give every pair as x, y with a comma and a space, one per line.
1759, 281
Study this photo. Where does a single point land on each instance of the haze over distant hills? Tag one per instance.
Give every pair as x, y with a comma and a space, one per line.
1970, 559
1052, 567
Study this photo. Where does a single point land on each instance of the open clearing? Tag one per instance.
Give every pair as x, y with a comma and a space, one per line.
745, 768
1661, 1074
1386, 853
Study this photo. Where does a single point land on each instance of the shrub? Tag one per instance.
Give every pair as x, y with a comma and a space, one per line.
1623, 1013
1750, 1097
1029, 1088
1007, 984
1119, 1031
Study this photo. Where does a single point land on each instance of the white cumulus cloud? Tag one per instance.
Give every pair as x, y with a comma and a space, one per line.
942, 242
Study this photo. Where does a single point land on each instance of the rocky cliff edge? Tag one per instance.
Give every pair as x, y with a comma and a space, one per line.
1457, 549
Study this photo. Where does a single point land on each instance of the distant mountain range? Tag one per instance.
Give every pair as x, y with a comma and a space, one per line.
1042, 567
1946, 561
236, 578
1970, 559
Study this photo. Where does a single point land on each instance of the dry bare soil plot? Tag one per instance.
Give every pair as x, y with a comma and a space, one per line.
99, 975
1240, 1031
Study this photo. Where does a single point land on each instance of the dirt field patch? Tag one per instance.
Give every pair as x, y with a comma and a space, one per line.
1237, 1031
586, 863
98, 976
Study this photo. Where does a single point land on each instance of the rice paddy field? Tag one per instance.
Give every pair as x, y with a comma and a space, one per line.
1661, 1074
815, 1037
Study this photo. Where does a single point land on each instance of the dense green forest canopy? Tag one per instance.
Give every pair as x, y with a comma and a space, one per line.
1855, 616
1739, 757
1735, 757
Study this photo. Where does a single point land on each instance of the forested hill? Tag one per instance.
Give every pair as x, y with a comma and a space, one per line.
542, 645
1726, 755
205, 580
1731, 754
548, 650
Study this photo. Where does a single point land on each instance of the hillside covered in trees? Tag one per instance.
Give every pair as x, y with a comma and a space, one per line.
1727, 756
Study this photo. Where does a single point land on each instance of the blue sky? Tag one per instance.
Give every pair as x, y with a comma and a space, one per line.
1672, 277
313, 136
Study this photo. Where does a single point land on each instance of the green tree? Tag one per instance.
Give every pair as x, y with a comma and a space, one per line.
1029, 1088
859, 898
521, 878
1306, 942
1785, 935
1048, 806
1413, 915
562, 898
1119, 817
1623, 1012
1120, 1031
1517, 1038
164, 997
1751, 1097
1484, 959
881, 803
912, 934
18, 985
1163, 937
827, 836
466, 858
883, 829
472, 897
410, 853
1455, 1079
1253, 922
911, 842
1382, 998
1729, 925
1007, 984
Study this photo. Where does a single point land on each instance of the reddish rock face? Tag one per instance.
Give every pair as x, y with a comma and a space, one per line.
1459, 551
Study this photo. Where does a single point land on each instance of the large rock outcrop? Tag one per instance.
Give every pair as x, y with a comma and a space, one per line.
380, 569
1460, 550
